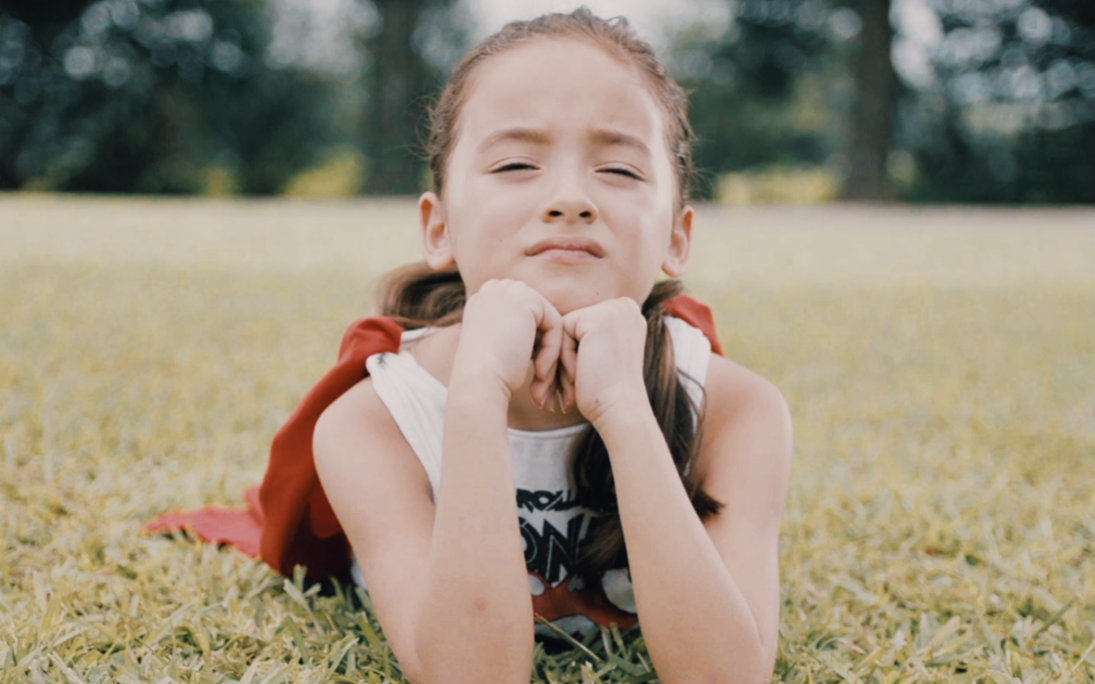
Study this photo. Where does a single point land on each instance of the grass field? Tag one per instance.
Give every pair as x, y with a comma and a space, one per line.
939, 364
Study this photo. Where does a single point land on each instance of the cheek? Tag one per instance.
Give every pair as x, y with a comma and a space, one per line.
480, 222
644, 226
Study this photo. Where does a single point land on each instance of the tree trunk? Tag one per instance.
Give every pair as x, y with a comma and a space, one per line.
872, 120
396, 90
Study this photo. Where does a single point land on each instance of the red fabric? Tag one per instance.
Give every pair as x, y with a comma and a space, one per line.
287, 520
300, 527
290, 521
240, 527
561, 601
698, 316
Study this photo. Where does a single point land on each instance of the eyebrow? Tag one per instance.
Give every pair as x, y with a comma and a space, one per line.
600, 136
530, 135
609, 136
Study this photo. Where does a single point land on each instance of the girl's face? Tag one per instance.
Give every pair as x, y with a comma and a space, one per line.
560, 176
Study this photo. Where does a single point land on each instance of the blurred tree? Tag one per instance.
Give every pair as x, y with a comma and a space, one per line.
769, 90
995, 101
871, 132
1008, 111
401, 79
149, 96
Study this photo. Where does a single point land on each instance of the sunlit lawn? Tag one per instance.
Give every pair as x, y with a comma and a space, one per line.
940, 366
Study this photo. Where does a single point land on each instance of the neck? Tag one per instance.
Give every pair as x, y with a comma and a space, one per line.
525, 415
435, 354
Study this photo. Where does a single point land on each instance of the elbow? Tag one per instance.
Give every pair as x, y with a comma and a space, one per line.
481, 652
735, 673
768, 650
489, 668
732, 674
761, 674
755, 665
446, 675
758, 667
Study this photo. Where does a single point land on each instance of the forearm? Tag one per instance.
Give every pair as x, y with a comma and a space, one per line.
695, 619
475, 622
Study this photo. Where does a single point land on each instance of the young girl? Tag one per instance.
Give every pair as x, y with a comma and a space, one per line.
547, 440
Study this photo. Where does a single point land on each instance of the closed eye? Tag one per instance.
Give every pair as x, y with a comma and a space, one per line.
513, 166
622, 171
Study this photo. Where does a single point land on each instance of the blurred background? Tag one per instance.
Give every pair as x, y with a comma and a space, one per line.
974, 101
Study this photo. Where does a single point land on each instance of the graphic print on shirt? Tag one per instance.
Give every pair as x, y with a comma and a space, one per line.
551, 540
553, 528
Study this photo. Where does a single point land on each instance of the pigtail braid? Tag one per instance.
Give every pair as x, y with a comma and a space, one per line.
417, 296
678, 417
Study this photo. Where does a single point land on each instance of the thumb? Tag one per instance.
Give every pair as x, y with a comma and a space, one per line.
545, 355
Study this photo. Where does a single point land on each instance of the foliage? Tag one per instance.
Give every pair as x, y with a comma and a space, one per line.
339, 174
996, 101
127, 96
1011, 115
778, 185
938, 365
418, 42
756, 93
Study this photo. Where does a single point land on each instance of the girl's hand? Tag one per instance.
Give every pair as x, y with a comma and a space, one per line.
508, 331
602, 357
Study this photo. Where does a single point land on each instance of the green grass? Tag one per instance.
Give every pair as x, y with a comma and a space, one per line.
940, 366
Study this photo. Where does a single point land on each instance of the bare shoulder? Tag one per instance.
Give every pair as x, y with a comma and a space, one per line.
358, 409
745, 464
746, 427
356, 435
732, 389
381, 496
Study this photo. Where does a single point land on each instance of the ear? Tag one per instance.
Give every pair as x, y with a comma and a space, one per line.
436, 245
680, 244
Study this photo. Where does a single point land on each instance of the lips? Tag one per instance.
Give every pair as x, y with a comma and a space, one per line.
567, 244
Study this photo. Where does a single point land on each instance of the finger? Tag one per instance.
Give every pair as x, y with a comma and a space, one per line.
549, 329
568, 371
545, 354
540, 392
568, 355
540, 388
566, 389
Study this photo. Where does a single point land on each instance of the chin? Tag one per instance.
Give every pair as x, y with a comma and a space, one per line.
573, 289
567, 297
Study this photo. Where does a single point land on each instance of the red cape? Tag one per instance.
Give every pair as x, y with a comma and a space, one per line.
288, 520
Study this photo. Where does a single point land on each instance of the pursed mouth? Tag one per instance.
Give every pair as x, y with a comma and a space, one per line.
570, 244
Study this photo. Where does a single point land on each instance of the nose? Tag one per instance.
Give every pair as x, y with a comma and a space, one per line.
570, 204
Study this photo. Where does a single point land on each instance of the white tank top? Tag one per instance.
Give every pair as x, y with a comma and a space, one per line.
552, 524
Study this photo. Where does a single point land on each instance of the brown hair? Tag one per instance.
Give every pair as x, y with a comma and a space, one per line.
417, 296
613, 35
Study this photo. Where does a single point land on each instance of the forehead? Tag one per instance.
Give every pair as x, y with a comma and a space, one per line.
553, 83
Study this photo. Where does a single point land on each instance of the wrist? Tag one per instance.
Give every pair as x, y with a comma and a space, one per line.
633, 442
477, 392
624, 417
